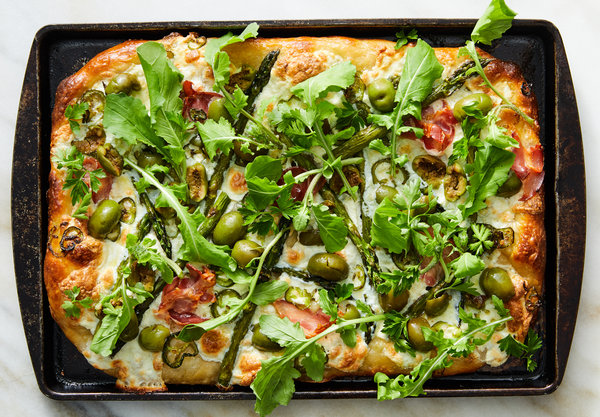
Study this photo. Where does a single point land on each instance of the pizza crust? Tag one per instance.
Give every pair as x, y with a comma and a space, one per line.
299, 59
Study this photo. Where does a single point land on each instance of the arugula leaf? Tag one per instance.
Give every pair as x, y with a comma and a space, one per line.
489, 171
499, 306
327, 304
402, 37
264, 166
267, 292
74, 114
336, 78
218, 59
73, 306
146, 253
332, 229
496, 20
496, 135
522, 350
195, 247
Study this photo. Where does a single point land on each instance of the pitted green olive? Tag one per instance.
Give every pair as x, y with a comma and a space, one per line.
104, 219
310, 238
217, 109
153, 338
455, 182
359, 278
436, 306
329, 266
430, 168
390, 301
415, 334
262, 342
146, 159
511, 186
123, 83
229, 229
381, 94
448, 329
299, 297
383, 192
475, 102
110, 159
244, 251
348, 311
131, 330
496, 281
197, 182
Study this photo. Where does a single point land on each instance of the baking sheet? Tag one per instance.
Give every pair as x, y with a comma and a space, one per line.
60, 50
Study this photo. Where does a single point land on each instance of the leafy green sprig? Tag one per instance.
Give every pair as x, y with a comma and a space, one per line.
75, 179
73, 306
74, 114
523, 350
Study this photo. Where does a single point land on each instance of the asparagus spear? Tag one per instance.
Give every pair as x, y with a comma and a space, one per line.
157, 225
261, 79
359, 141
214, 214
453, 82
239, 331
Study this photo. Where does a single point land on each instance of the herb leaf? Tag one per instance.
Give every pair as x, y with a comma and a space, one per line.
402, 37
146, 253
74, 114
267, 292
496, 20
73, 306
523, 350
332, 229
336, 78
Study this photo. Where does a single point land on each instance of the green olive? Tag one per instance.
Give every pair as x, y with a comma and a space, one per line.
244, 251
104, 219
146, 159
455, 182
299, 297
96, 101
359, 278
110, 159
128, 210
348, 311
123, 83
496, 281
310, 238
220, 307
450, 329
381, 94
229, 229
415, 334
130, 331
385, 191
217, 109
472, 103
430, 168
329, 266
511, 186
153, 338
262, 342
390, 301
114, 233
197, 182
381, 172
436, 306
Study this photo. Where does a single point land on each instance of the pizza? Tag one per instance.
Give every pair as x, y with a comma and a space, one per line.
252, 211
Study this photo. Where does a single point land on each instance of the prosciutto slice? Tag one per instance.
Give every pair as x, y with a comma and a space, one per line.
312, 323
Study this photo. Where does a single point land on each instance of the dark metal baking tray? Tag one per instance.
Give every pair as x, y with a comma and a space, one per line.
536, 46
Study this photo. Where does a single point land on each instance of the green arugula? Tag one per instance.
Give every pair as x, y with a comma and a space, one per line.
195, 247
274, 383
495, 21
73, 306
523, 350
332, 228
117, 308
146, 253
74, 114
488, 172
77, 179
267, 292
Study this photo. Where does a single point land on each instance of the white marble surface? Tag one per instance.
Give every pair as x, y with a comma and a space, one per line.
579, 394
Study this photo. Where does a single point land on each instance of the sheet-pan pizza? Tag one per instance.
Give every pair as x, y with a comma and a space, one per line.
251, 211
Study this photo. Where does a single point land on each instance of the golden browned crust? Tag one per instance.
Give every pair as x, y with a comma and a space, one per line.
300, 58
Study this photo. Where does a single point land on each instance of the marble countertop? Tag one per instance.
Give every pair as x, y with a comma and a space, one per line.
577, 20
